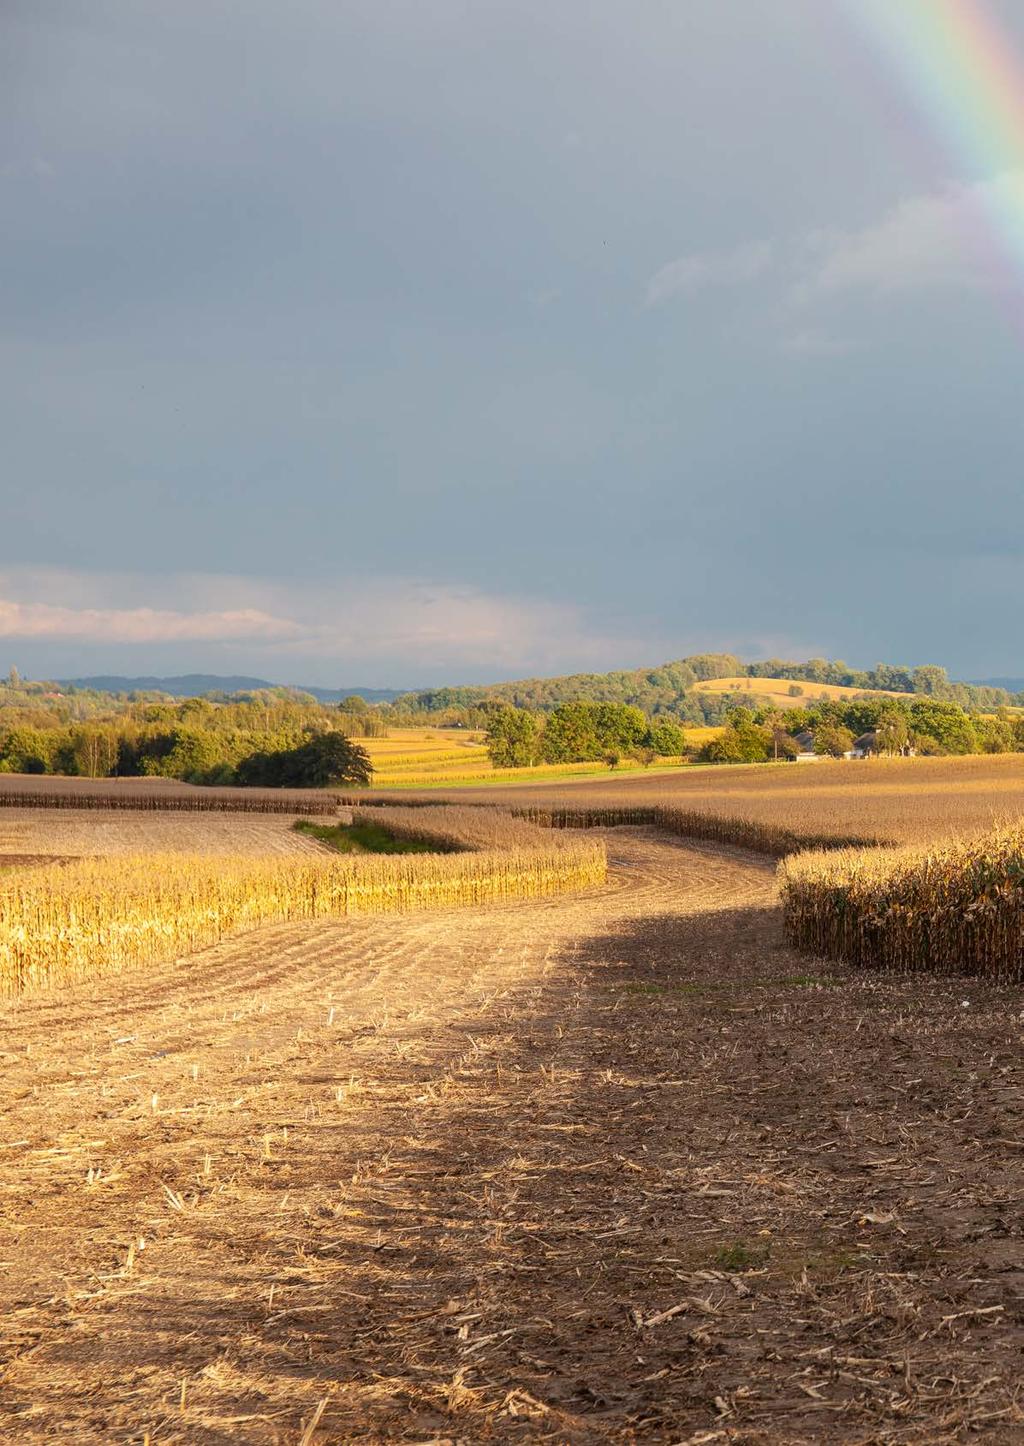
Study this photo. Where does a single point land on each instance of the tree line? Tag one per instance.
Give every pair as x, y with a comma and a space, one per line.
672, 688
193, 744
927, 726
580, 733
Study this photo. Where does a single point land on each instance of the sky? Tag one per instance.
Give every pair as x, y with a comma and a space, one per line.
399, 342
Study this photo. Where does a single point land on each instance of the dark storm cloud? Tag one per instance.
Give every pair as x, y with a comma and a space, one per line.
464, 339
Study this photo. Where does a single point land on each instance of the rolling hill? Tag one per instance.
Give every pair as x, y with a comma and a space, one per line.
197, 685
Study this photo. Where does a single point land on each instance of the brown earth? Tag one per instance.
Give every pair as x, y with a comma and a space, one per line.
605, 1167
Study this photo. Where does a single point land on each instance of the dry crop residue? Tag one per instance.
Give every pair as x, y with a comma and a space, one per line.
608, 1167
68, 833
906, 800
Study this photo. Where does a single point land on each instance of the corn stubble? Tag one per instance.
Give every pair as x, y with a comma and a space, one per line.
97, 916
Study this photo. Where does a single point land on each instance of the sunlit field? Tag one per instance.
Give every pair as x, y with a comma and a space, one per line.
778, 692
903, 799
434, 758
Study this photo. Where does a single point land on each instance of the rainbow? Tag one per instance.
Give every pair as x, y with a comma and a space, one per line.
967, 78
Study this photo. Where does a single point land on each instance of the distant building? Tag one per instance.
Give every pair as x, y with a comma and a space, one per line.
805, 742
868, 744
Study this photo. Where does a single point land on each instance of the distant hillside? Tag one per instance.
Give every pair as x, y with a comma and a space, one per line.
1012, 685
697, 690
197, 685
700, 689
787, 693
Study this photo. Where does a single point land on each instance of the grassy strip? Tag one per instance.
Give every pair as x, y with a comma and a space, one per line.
364, 838
509, 777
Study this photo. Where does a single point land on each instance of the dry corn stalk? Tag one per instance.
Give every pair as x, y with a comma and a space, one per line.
956, 908
103, 915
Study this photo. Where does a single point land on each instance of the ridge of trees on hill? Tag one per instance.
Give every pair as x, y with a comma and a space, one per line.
672, 688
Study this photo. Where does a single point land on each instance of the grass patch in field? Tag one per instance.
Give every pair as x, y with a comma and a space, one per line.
739, 1257
364, 838
644, 989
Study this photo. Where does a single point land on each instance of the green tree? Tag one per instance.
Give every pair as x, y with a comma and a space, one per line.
832, 740
324, 761
930, 680
947, 723
619, 726
93, 751
666, 739
893, 734
995, 735
739, 743
569, 735
28, 750
512, 738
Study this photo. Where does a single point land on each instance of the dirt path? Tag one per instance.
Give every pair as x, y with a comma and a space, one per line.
597, 1168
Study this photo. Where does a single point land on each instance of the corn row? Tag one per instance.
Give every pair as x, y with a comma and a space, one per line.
959, 908
754, 834
99, 916
18, 792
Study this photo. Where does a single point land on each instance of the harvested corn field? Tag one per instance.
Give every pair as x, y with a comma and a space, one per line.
613, 1166
106, 915
73, 833
905, 800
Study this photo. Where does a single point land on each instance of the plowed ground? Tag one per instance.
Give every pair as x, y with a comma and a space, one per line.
600, 1168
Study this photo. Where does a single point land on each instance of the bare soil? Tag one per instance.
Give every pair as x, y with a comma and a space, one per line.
599, 1168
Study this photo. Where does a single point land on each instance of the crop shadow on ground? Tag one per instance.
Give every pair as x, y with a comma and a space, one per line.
502, 1201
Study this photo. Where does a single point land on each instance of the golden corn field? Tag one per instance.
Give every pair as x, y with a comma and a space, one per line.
958, 908
57, 791
761, 836
416, 758
145, 905
104, 915
899, 800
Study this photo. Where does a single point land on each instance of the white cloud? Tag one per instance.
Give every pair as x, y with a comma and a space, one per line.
394, 622
137, 625
923, 242
710, 268
941, 240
